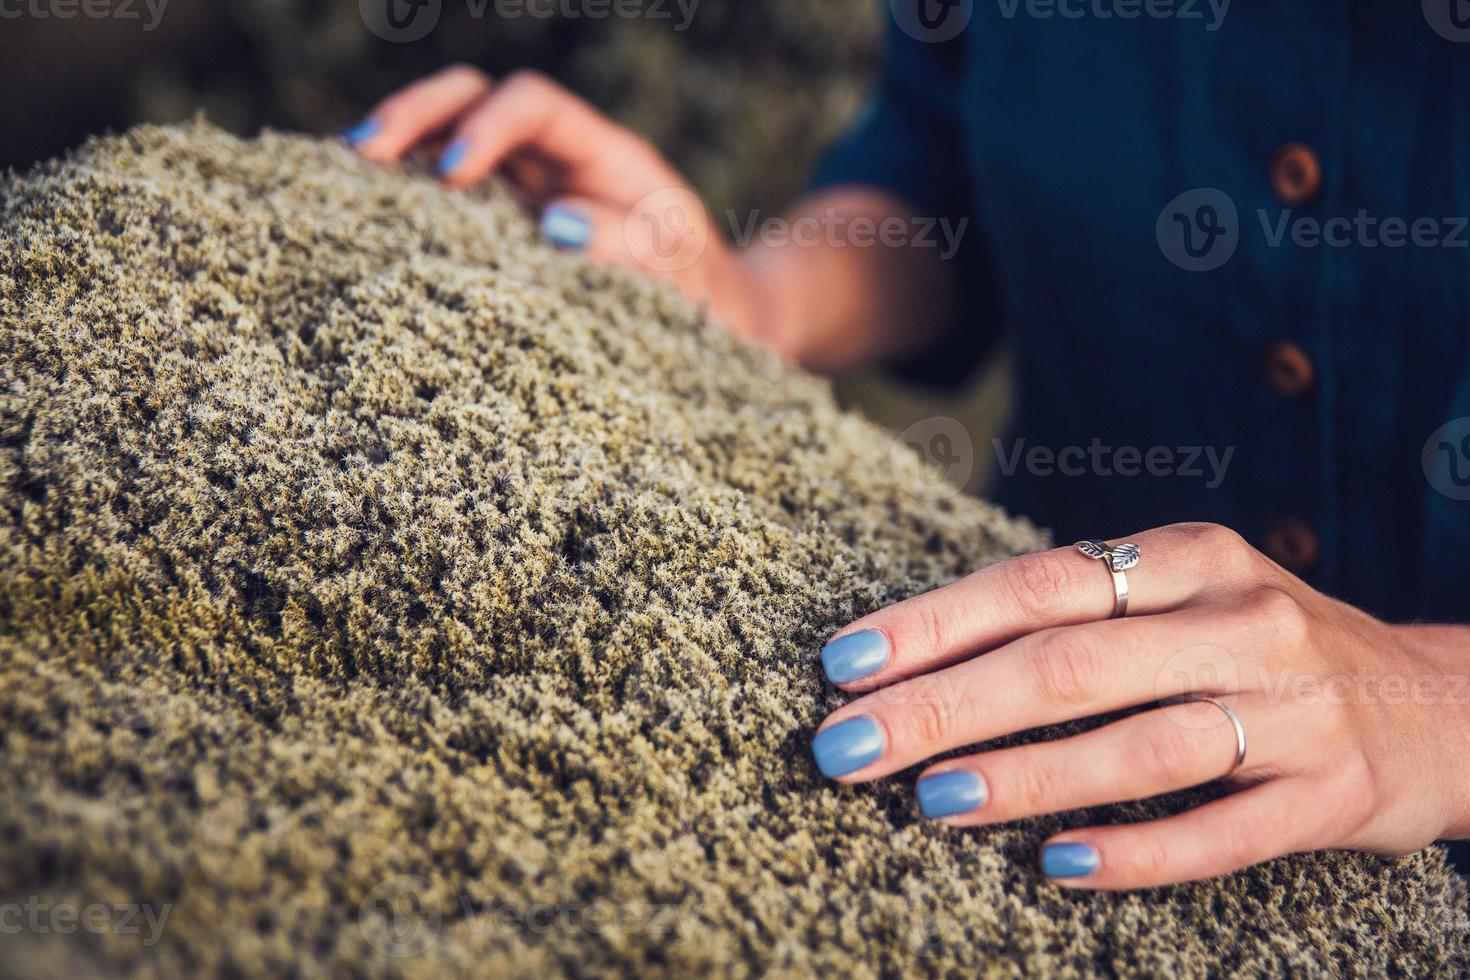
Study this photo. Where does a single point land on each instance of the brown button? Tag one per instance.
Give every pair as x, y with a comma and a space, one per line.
1289, 370
1296, 174
1293, 545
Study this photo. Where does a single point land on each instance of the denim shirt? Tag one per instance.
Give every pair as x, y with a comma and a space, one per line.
1228, 246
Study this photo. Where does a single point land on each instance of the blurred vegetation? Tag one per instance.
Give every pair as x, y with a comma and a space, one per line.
742, 95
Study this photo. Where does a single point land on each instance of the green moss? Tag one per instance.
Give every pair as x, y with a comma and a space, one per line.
352, 544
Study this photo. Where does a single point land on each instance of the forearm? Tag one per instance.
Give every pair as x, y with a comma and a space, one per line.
842, 299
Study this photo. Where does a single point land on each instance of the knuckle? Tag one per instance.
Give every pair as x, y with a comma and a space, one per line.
1041, 585
1358, 796
1249, 836
1169, 753
1036, 787
1150, 859
1065, 668
528, 81
933, 717
930, 627
1227, 552
1279, 618
464, 72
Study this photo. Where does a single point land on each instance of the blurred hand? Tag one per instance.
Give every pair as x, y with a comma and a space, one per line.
830, 305
601, 189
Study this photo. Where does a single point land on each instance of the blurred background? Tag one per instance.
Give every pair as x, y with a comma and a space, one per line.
742, 95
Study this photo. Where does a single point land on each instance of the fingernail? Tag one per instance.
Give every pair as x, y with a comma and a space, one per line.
847, 747
1069, 860
453, 156
945, 794
566, 227
362, 132
855, 656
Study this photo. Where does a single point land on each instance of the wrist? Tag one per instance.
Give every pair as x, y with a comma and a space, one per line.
1439, 686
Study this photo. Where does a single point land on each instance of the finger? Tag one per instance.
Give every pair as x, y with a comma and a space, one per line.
405, 118
1161, 751
537, 179
580, 224
1272, 819
1045, 678
531, 112
1012, 598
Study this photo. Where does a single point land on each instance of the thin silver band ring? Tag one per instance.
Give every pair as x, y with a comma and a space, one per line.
1240, 743
1120, 593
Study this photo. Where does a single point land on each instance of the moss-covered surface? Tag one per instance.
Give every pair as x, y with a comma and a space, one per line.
364, 564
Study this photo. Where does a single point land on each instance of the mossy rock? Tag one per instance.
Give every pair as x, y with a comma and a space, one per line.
384, 594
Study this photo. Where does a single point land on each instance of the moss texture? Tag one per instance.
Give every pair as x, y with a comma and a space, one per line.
381, 593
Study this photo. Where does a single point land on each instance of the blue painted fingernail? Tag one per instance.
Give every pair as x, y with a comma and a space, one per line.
945, 794
1069, 860
362, 132
566, 227
855, 656
847, 747
453, 156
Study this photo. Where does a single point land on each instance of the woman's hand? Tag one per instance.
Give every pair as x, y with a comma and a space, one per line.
827, 304
1358, 732
601, 188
